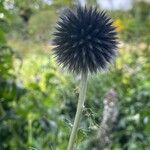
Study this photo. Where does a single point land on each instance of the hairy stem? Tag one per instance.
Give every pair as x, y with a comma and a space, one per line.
82, 94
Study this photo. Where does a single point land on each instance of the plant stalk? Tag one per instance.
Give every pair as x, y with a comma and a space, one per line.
82, 95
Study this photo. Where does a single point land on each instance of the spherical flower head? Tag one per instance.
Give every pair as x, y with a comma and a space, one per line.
85, 40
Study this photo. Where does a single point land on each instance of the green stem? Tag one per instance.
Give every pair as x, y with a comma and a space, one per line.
82, 94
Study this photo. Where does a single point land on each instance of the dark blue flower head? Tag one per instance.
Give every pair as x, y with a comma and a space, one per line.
85, 40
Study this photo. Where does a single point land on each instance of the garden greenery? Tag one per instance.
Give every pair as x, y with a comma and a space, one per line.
37, 102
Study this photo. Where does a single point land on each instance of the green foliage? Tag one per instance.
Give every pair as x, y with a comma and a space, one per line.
38, 101
41, 25
59, 3
6, 61
137, 26
4, 19
91, 2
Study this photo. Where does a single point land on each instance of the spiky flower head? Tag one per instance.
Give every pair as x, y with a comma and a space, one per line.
85, 40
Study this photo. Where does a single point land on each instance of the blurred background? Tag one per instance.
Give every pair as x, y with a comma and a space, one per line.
38, 99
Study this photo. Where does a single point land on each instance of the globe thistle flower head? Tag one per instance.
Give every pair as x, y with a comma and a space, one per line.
85, 40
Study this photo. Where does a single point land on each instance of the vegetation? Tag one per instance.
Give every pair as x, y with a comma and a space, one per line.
37, 105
